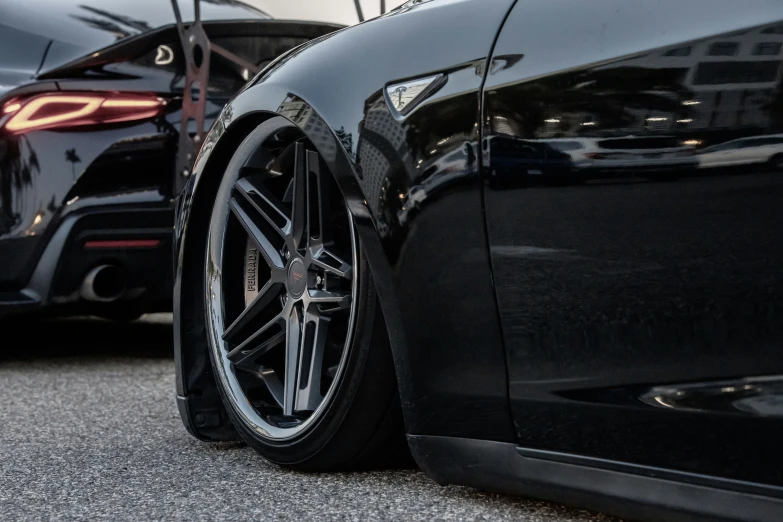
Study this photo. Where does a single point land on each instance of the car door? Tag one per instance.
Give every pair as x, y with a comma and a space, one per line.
642, 315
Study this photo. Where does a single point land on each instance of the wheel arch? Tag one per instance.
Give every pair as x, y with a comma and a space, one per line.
198, 398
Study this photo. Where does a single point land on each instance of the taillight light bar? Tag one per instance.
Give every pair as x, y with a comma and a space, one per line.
122, 243
77, 109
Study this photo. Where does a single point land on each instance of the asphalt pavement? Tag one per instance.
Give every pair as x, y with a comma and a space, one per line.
89, 430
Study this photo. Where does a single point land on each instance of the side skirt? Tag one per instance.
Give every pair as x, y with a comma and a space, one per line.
621, 489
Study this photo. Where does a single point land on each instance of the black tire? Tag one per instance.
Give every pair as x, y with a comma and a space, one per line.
360, 423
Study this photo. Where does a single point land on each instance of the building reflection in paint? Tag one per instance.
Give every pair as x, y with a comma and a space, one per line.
688, 110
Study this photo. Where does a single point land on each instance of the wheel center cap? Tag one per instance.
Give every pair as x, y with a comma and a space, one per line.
297, 278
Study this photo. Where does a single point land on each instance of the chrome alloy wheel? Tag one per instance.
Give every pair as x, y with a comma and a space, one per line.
281, 288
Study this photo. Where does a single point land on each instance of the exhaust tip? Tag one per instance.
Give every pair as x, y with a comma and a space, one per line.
104, 283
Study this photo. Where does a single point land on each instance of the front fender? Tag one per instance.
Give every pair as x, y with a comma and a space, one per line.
413, 187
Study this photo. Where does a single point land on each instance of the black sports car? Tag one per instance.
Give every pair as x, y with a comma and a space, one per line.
605, 330
91, 106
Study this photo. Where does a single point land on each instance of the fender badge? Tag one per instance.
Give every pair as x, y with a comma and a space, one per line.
404, 97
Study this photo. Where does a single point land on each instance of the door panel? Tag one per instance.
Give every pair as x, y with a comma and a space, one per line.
640, 292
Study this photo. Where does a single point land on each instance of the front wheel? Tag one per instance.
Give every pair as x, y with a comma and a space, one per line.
296, 336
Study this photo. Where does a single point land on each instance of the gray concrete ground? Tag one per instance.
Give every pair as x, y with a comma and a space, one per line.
89, 430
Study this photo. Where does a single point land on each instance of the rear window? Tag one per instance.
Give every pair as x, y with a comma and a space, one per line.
640, 143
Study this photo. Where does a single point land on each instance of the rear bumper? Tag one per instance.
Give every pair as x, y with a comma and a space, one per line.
134, 235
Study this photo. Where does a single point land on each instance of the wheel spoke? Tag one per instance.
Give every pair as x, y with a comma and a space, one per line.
330, 301
268, 251
264, 204
265, 296
245, 357
267, 337
299, 200
331, 263
269, 378
308, 395
273, 384
293, 347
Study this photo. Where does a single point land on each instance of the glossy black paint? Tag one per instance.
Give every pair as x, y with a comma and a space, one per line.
565, 263
635, 282
52, 180
44, 176
428, 254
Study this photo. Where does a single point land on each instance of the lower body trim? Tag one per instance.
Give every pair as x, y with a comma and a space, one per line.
505, 468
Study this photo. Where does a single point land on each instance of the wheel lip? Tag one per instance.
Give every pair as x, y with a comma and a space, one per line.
215, 326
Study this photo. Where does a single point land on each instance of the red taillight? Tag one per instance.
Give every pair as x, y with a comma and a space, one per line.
122, 243
61, 110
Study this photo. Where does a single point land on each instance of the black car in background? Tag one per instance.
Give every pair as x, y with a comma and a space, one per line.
90, 106
615, 342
